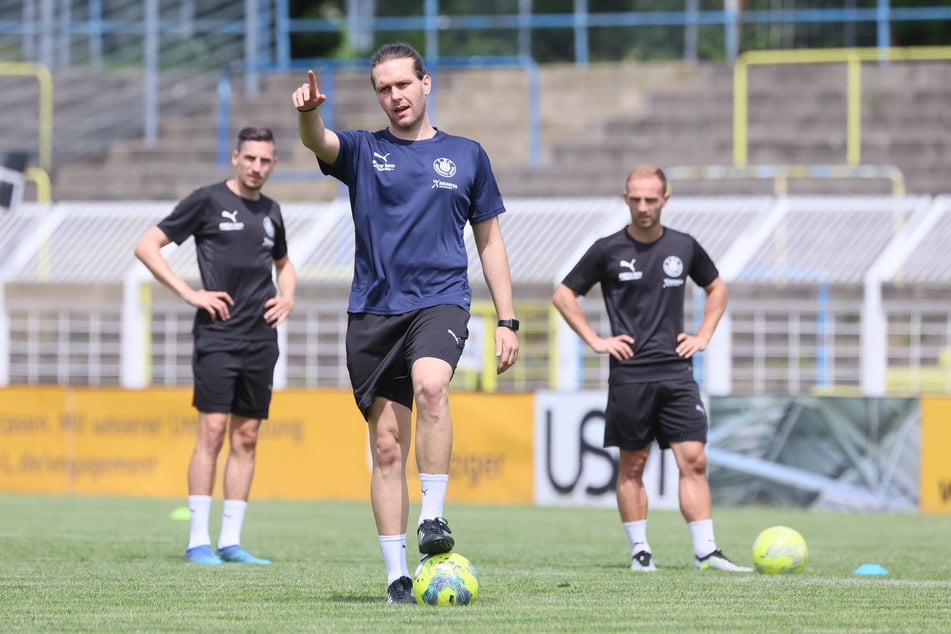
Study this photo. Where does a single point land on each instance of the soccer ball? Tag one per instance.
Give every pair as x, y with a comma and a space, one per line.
446, 579
779, 550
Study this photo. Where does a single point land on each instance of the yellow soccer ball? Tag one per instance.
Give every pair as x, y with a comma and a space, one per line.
446, 579
779, 550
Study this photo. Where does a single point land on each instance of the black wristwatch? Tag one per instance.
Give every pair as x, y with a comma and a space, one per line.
509, 323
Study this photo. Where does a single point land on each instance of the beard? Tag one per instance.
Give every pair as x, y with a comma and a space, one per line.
406, 120
252, 185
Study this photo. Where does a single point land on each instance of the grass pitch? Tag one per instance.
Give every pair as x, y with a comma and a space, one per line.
71, 564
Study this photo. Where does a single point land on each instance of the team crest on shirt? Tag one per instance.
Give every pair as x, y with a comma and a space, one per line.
444, 167
673, 269
268, 232
447, 169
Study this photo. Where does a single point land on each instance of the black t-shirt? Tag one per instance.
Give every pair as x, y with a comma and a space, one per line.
643, 289
236, 242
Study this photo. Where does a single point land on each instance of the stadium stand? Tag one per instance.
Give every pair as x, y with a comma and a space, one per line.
616, 114
838, 279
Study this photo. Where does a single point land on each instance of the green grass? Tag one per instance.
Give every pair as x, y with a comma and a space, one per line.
111, 564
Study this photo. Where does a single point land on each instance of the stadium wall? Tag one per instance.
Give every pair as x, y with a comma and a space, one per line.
541, 448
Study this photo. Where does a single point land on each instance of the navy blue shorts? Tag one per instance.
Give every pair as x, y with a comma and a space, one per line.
666, 411
381, 349
234, 376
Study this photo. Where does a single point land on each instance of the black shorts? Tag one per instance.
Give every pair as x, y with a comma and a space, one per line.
381, 349
234, 376
666, 411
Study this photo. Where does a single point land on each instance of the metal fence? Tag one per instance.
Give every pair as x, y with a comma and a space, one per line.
57, 33
828, 295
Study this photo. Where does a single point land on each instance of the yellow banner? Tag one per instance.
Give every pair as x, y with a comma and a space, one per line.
314, 446
492, 448
935, 467
34, 433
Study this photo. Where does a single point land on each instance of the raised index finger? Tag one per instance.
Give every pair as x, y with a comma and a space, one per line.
312, 80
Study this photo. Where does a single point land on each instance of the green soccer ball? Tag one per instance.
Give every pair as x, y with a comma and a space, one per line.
779, 550
446, 579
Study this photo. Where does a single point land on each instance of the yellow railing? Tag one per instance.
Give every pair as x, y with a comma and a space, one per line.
39, 177
851, 56
537, 348
45, 80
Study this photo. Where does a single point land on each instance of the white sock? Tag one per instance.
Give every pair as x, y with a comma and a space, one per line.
433, 487
637, 536
200, 507
702, 534
232, 519
394, 556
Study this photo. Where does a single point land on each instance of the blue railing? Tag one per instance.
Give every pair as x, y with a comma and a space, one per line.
268, 24
431, 23
327, 69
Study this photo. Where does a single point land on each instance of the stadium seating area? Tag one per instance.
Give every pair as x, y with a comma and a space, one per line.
594, 122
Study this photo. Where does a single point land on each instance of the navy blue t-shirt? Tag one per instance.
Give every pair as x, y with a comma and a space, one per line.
410, 202
236, 242
643, 286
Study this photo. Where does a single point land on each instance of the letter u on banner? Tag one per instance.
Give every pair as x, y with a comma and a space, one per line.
571, 466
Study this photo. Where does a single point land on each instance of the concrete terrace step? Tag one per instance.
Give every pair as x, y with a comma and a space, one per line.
645, 150
589, 182
595, 123
84, 182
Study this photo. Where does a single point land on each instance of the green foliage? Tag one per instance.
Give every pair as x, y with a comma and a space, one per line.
71, 564
319, 44
919, 32
551, 44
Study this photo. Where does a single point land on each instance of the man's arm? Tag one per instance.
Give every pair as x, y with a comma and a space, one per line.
279, 307
566, 301
314, 134
715, 306
495, 267
149, 252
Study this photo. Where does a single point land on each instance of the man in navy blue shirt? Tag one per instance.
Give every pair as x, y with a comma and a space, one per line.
652, 395
413, 189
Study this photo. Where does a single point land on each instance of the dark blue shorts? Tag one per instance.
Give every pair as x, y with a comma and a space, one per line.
666, 411
234, 376
381, 349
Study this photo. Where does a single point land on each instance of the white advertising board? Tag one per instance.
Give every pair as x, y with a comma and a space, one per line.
571, 466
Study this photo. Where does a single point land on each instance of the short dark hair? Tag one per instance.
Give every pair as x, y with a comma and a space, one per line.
254, 133
398, 50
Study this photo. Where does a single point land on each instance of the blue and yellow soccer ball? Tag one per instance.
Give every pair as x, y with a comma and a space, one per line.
779, 550
446, 579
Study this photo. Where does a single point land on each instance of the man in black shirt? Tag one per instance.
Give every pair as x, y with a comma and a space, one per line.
652, 394
239, 241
